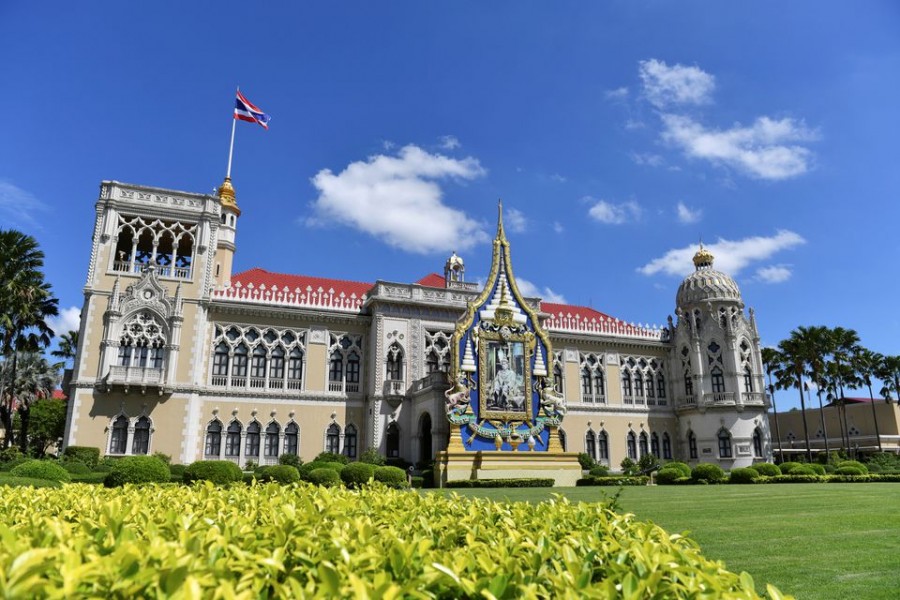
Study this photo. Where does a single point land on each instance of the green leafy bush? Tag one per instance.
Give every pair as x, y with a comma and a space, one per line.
668, 475
600, 471
874, 468
75, 467
886, 461
220, 472
357, 474
587, 461
163, 457
787, 467
291, 460
308, 468
331, 457
816, 468
531, 482
137, 469
853, 463
7, 455
417, 482
104, 465
617, 480
767, 469
803, 470
41, 469
682, 468
849, 470
86, 454
324, 476
829, 468
708, 472
743, 475
793, 479
177, 471
394, 477
647, 463
372, 456
629, 467
283, 474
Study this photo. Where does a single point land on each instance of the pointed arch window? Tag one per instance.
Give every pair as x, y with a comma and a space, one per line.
718, 380
757, 443
586, 383
273, 433
626, 384
220, 361
291, 438
666, 447
603, 445
688, 385
118, 441
276, 368
350, 442
654, 444
143, 341
141, 442
295, 369
724, 443
590, 444
333, 439
335, 370
258, 367
233, 440
660, 386
251, 447
393, 440
213, 439
394, 363
239, 362
631, 444
638, 384
644, 445
353, 372
692, 445
748, 379
651, 392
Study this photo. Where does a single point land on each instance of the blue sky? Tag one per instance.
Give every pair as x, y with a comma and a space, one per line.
617, 134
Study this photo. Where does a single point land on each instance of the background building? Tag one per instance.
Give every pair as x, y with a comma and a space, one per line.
179, 355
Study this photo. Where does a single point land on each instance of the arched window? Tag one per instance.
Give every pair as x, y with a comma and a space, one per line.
651, 392
239, 362
273, 432
295, 369
757, 443
586, 384
333, 439
143, 341
213, 439
748, 380
692, 444
632, 446
626, 384
258, 367
393, 440
141, 442
644, 446
599, 384
654, 444
291, 438
220, 364
350, 441
638, 384
118, 441
660, 386
667, 447
718, 380
251, 448
233, 440
276, 368
590, 444
353, 372
688, 385
394, 363
603, 445
336, 371
724, 443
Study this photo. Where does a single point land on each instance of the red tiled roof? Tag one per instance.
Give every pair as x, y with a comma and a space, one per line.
433, 280
259, 277
576, 311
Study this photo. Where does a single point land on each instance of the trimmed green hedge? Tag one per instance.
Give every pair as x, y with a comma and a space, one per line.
324, 476
708, 472
394, 477
849, 470
75, 467
681, 467
358, 474
767, 469
86, 454
137, 469
853, 463
599, 471
743, 475
531, 482
220, 472
787, 467
41, 469
283, 474
622, 480
331, 457
668, 476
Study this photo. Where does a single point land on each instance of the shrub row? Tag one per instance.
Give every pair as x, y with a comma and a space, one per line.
626, 480
268, 541
523, 482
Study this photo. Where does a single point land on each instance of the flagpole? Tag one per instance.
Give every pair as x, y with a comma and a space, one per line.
231, 148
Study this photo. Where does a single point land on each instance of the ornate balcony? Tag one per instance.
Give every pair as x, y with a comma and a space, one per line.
142, 377
718, 399
753, 398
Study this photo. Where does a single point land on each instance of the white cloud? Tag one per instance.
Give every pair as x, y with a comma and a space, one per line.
678, 84
615, 214
388, 145
529, 290
558, 227
767, 149
773, 274
731, 256
516, 220
69, 319
558, 178
449, 142
17, 206
397, 199
647, 158
617, 94
688, 215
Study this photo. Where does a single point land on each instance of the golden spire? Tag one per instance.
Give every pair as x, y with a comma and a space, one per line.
703, 258
501, 234
226, 195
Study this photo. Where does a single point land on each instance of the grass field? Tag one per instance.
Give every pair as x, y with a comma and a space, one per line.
815, 541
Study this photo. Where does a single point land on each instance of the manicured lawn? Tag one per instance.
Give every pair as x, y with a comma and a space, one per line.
816, 541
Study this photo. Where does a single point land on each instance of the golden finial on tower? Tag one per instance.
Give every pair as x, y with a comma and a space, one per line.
703, 258
226, 195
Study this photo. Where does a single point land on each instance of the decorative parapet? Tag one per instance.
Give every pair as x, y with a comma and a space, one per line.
308, 297
118, 191
569, 323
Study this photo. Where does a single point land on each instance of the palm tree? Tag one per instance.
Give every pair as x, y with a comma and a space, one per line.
68, 345
31, 378
889, 372
25, 304
772, 360
866, 363
843, 342
794, 354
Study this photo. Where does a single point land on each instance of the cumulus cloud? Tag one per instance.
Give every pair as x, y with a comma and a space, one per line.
767, 149
449, 142
69, 319
773, 274
530, 290
687, 215
18, 207
515, 220
665, 86
615, 214
398, 200
731, 256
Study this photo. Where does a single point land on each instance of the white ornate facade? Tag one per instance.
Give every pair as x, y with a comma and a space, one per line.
181, 356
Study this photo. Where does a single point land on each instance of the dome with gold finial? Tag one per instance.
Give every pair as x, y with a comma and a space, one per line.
227, 197
706, 284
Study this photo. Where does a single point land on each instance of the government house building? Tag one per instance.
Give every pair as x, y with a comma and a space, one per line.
180, 355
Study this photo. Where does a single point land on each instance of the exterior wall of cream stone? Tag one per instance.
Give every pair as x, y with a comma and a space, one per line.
860, 422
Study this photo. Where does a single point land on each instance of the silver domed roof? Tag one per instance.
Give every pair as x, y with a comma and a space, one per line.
706, 284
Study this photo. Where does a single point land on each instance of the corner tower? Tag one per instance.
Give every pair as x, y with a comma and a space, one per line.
225, 241
718, 374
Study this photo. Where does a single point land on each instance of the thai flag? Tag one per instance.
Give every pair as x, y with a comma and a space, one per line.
247, 111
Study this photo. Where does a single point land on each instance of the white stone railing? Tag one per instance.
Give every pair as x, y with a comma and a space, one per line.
753, 398
308, 298
567, 322
136, 375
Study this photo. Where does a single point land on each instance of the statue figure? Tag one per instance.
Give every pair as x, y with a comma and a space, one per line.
457, 396
552, 402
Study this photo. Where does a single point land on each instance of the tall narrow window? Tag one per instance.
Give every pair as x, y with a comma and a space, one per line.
394, 363
220, 361
692, 444
141, 442
667, 447
626, 384
586, 384
350, 441
258, 364
291, 438
118, 441
748, 380
276, 368
251, 448
558, 378
273, 433
125, 354
599, 386
213, 439
239, 363
590, 444
688, 385
336, 368
295, 369
333, 439
233, 440
724, 443
638, 384
650, 391
393, 440
660, 386
757, 443
353, 372
654, 444
603, 445
718, 380
632, 446
644, 446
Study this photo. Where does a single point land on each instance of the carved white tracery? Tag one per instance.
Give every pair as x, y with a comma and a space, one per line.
345, 362
643, 380
593, 377
437, 351
168, 245
249, 357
